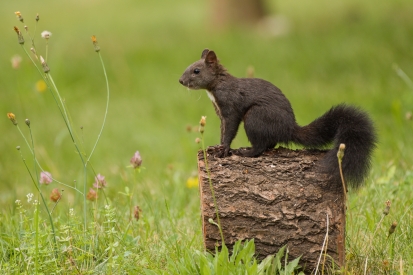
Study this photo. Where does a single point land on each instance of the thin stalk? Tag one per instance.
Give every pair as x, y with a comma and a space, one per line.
60, 109
106, 110
41, 168
44, 202
212, 188
69, 127
36, 239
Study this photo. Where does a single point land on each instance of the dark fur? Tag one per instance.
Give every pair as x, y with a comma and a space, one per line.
269, 119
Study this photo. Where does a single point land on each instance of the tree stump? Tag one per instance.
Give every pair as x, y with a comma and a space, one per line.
276, 199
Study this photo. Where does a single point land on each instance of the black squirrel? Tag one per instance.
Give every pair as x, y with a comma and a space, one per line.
269, 119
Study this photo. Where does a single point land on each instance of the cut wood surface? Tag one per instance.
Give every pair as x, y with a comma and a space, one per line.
276, 199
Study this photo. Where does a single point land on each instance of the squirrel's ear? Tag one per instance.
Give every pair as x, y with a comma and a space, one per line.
204, 53
211, 58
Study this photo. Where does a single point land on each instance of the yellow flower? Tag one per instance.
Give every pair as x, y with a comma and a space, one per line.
192, 182
41, 86
12, 118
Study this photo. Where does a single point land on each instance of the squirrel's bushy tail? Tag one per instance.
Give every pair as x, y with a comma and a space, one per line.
342, 124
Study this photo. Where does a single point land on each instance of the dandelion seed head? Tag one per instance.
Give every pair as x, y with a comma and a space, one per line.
46, 34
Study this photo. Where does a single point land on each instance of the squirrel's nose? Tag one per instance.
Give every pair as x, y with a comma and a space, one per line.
181, 81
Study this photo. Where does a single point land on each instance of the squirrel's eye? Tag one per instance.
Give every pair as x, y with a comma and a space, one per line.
197, 71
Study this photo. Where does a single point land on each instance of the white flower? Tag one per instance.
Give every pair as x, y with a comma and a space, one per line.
46, 34
29, 197
71, 212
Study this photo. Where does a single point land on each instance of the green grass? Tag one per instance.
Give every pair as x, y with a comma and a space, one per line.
335, 52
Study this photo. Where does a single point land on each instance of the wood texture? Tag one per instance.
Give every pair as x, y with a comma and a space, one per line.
276, 199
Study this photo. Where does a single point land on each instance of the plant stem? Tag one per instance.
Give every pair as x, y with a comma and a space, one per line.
212, 189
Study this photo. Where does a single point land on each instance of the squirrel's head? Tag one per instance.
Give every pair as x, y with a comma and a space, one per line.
202, 73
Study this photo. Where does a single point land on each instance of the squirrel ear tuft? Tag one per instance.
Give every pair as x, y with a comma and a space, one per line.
204, 53
211, 57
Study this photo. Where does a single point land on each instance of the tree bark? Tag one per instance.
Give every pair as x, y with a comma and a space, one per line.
277, 199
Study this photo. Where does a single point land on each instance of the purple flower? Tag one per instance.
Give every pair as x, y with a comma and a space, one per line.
100, 181
136, 160
45, 177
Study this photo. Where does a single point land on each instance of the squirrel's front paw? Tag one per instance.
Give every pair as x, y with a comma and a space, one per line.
223, 151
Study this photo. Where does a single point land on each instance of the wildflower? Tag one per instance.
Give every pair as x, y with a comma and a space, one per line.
18, 202
19, 16
46, 68
136, 212
95, 44
92, 195
16, 61
29, 197
387, 209
192, 182
136, 160
392, 228
100, 181
20, 38
202, 124
12, 118
27, 121
37, 17
45, 178
55, 195
46, 34
41, 86
71, 212
36, 202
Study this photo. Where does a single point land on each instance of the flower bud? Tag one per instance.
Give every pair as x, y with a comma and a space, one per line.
95, 44
20, 38
340, 153
392, 228
92, 195
387, 209
12, 118
202, 122
27, 121
136, 212
55, 195
19, 16
136, 160
46, 68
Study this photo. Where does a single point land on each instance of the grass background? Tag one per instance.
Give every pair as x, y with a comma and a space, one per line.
335, 51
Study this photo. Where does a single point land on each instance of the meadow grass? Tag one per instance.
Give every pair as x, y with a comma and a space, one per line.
334, 52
